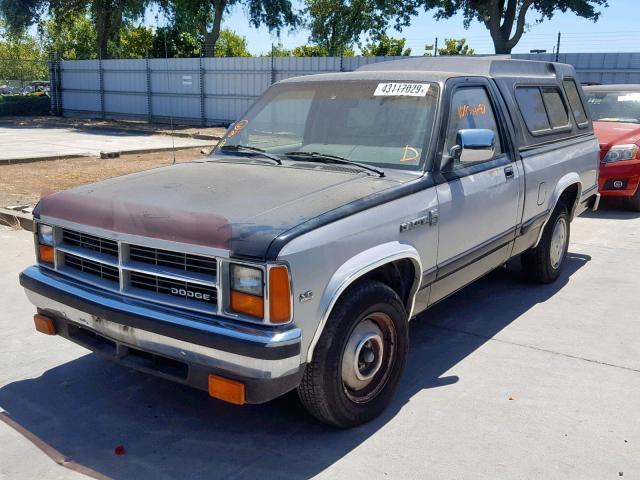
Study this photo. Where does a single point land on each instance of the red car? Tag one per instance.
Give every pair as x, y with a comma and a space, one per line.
615, 111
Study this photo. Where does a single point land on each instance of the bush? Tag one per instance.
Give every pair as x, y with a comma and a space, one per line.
22, 105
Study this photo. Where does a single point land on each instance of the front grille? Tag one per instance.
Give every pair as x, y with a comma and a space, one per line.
186, 262
97, 269
176, 288
179, 279
90, 242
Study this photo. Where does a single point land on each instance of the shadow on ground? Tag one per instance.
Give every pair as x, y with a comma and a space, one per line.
86, 407
612, 209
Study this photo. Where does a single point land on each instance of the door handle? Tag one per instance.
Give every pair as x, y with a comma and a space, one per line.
509, 173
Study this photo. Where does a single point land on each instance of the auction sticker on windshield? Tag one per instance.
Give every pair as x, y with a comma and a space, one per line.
401, 89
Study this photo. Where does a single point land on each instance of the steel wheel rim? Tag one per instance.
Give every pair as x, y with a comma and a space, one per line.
368, 357
558, 243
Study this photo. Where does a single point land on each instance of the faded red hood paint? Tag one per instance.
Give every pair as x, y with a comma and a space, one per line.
614, 133
237, 206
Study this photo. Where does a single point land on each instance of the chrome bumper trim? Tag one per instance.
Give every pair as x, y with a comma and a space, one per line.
153, 342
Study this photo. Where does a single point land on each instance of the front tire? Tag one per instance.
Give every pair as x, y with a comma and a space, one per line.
543, 263
359, 358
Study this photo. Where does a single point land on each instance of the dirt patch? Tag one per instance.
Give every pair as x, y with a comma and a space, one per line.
25, 184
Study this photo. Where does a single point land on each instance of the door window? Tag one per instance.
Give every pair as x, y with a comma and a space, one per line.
470, 108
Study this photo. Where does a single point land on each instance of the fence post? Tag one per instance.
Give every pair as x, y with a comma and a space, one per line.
203, 116
149, 103
54, 85
273, 65
101, 84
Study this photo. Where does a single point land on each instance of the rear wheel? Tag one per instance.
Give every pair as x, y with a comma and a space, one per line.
543, 263
359, 358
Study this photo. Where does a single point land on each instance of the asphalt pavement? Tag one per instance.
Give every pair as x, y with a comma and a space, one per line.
505, 380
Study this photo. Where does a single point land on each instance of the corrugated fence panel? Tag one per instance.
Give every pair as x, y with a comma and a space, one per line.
231, 85
220, 90
80, 81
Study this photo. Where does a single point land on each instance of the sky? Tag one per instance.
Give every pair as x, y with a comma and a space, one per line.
616, 31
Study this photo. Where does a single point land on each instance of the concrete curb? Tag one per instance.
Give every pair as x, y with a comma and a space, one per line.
12, 217
87, 154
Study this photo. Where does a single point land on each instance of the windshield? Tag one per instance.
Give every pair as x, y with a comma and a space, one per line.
614, 106
386, 124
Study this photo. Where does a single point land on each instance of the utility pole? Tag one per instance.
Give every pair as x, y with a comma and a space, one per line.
558, 48
435, 48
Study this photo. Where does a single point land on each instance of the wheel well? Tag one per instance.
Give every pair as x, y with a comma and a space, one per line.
569, 197
399, 275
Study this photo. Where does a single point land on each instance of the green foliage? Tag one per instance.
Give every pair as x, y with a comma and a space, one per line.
230, 44
184, 44
24, 105
337, 25
107, 16
21, 57
506, 20
72, 38
304, 51
202, 18
454, 46
386, 46
133, 42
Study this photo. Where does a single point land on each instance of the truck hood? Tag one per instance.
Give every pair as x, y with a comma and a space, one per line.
241, 206
614, 133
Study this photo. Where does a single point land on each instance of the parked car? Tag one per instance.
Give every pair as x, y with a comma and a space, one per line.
338, 208
615, 110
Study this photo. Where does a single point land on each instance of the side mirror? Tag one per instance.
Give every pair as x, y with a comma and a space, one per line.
473, 146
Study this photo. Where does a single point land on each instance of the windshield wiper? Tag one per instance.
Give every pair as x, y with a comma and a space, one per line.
328, 158
253, 150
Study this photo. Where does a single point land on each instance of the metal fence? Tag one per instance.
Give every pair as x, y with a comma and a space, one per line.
208, 91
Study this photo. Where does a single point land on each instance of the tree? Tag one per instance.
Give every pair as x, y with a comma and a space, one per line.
20, 57
230, 44
170, 42
386, 46
72, 38
453, 46
505, 19
185, 45
204, 17
108, 16
134, 41
336, 25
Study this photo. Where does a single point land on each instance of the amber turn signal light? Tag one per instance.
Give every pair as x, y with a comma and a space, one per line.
225, 389
279, 295
45, 254
246, 304
44, 324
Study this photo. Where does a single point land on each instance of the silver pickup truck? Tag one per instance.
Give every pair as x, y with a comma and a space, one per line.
338, 208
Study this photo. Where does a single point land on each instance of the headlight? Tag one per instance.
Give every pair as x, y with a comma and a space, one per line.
618, 153
45, 234
246, 294
246, 280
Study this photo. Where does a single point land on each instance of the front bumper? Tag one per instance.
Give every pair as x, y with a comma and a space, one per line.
628, 172
167, 342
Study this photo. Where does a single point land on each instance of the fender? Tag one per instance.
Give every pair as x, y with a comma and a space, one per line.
358, 266
571, 178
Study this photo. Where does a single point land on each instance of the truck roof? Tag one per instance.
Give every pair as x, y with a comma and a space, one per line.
443, 68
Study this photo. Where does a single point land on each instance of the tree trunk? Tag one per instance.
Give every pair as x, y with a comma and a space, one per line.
501, 45
211, 37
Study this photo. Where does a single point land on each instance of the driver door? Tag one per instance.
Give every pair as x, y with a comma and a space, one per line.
479, 203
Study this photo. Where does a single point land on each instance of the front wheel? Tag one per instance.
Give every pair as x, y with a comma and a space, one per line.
359, 358
543, 263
